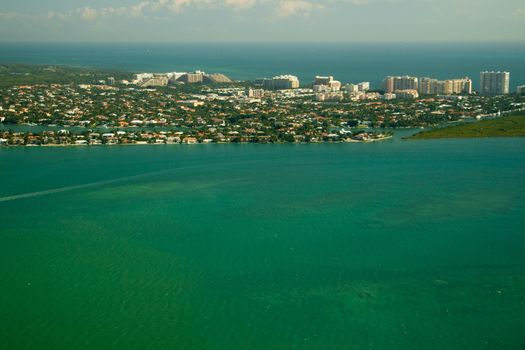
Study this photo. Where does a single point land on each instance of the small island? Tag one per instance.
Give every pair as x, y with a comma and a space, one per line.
508, 126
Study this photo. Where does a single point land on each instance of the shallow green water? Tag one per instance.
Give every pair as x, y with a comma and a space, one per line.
394, 245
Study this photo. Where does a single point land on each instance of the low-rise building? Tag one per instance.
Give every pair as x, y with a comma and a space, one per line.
329, 96
255, 93
407, 94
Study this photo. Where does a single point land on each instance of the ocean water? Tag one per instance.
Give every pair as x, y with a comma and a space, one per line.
347, 62
392, 245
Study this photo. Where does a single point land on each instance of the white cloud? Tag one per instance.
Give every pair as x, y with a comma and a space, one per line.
359, 2
287, 8
9, 16
47, 16
179, 5
145, 8
519, 13
137, 10
88, 13
239, 4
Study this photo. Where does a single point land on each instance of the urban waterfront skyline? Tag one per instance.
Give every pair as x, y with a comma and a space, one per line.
491, 83
199, 107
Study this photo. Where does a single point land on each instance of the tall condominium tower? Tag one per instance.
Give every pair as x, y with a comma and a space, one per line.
195, 77
391, 84
281, 82
326, 84
430, 86
494, 83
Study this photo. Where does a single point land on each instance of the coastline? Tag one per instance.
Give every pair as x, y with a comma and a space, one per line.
200, 143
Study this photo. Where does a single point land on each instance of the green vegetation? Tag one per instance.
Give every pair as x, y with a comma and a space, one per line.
25, 74
510, 126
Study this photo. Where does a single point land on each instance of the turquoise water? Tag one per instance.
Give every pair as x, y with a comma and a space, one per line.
347, 62
393, 245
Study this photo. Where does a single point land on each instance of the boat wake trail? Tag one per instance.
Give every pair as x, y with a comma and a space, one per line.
78, 187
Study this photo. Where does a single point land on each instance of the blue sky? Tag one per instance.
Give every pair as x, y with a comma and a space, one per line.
262, 20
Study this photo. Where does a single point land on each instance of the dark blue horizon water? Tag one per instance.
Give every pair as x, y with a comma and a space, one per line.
348, 62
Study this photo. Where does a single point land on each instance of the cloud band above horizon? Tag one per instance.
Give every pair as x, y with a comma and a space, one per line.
263, 20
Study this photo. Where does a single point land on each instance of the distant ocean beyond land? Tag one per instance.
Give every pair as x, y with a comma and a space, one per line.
347, 62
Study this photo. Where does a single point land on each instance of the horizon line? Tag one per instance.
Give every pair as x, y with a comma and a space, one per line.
291, 42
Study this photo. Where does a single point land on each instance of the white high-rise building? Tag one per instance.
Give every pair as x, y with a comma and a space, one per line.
351, 88
319, 80
430, 86
326, 84
282, 82
392, 84
363, 86
494, 83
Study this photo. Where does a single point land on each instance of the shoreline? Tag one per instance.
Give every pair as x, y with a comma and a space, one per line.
194, 144
202, 143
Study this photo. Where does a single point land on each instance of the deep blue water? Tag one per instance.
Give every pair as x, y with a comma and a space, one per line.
347, 62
